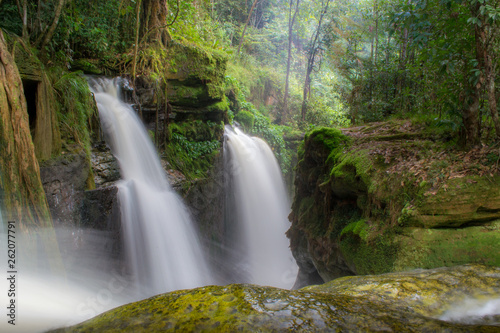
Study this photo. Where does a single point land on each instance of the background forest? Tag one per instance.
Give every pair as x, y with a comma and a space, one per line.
295, 64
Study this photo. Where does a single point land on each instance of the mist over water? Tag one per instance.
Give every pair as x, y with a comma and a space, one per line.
162, 250
262, 208
474, 311
92, 281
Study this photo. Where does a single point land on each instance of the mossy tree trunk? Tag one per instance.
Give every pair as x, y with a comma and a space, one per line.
154, 22
47, 137
291, 21
20, 178
22, 192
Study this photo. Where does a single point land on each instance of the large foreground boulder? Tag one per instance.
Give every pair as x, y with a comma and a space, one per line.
398, 302
394, 196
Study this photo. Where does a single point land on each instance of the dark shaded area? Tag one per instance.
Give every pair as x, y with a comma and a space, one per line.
30, 92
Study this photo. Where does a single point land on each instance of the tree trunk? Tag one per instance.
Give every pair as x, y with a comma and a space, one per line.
53, 26
490, 86
291, 21
136, 45
376, 31
310, 61
307, 87
153, 22
491, 33
471, 110
246, 25
23, 14
23, 197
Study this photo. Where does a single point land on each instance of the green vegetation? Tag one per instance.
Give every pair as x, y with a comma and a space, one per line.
193, 146
415, 81
246, 119
76, 108
338, 63
358, 228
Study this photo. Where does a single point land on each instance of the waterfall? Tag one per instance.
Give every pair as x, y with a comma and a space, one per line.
261, 211
161, 245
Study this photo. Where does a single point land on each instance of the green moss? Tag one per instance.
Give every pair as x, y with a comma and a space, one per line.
427, 248
352, 169
222, 106
330, 138
246, 119
351, 304
193, 96
369, 253
76, 106
190, 61
359, 228
193, 146
88, 66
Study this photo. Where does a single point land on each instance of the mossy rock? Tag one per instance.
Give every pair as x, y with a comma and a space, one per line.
421, 203
427, 248
462, 201
430, 292
406, 302
246, 119
193, 146
185, 95
88, 66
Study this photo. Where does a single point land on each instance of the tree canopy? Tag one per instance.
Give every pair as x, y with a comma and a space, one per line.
300, 63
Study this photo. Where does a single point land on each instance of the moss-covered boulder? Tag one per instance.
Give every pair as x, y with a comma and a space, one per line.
411, 302
193, 65
188, 76
391, 197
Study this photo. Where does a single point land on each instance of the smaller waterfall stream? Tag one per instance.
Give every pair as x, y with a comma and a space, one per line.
262, 209
162, 246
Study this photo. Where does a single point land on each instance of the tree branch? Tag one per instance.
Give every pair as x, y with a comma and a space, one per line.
53, 26
246, 25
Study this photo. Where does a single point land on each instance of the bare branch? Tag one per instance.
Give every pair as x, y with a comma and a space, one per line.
246, 25
53, 26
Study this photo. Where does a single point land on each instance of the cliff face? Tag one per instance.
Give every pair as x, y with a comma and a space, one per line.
392, 197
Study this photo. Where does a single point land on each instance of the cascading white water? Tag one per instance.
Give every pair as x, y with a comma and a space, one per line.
162, 247
262, 209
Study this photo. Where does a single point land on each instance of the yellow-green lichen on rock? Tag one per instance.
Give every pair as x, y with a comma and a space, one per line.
405, 302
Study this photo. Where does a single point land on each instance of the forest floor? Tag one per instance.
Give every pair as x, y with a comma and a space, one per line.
428, 155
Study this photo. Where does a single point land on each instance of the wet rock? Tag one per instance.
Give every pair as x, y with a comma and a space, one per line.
104, 165
405, 302
101, 209
64, 180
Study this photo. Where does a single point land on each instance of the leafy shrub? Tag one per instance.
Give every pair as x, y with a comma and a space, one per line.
246, 119
76, 108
